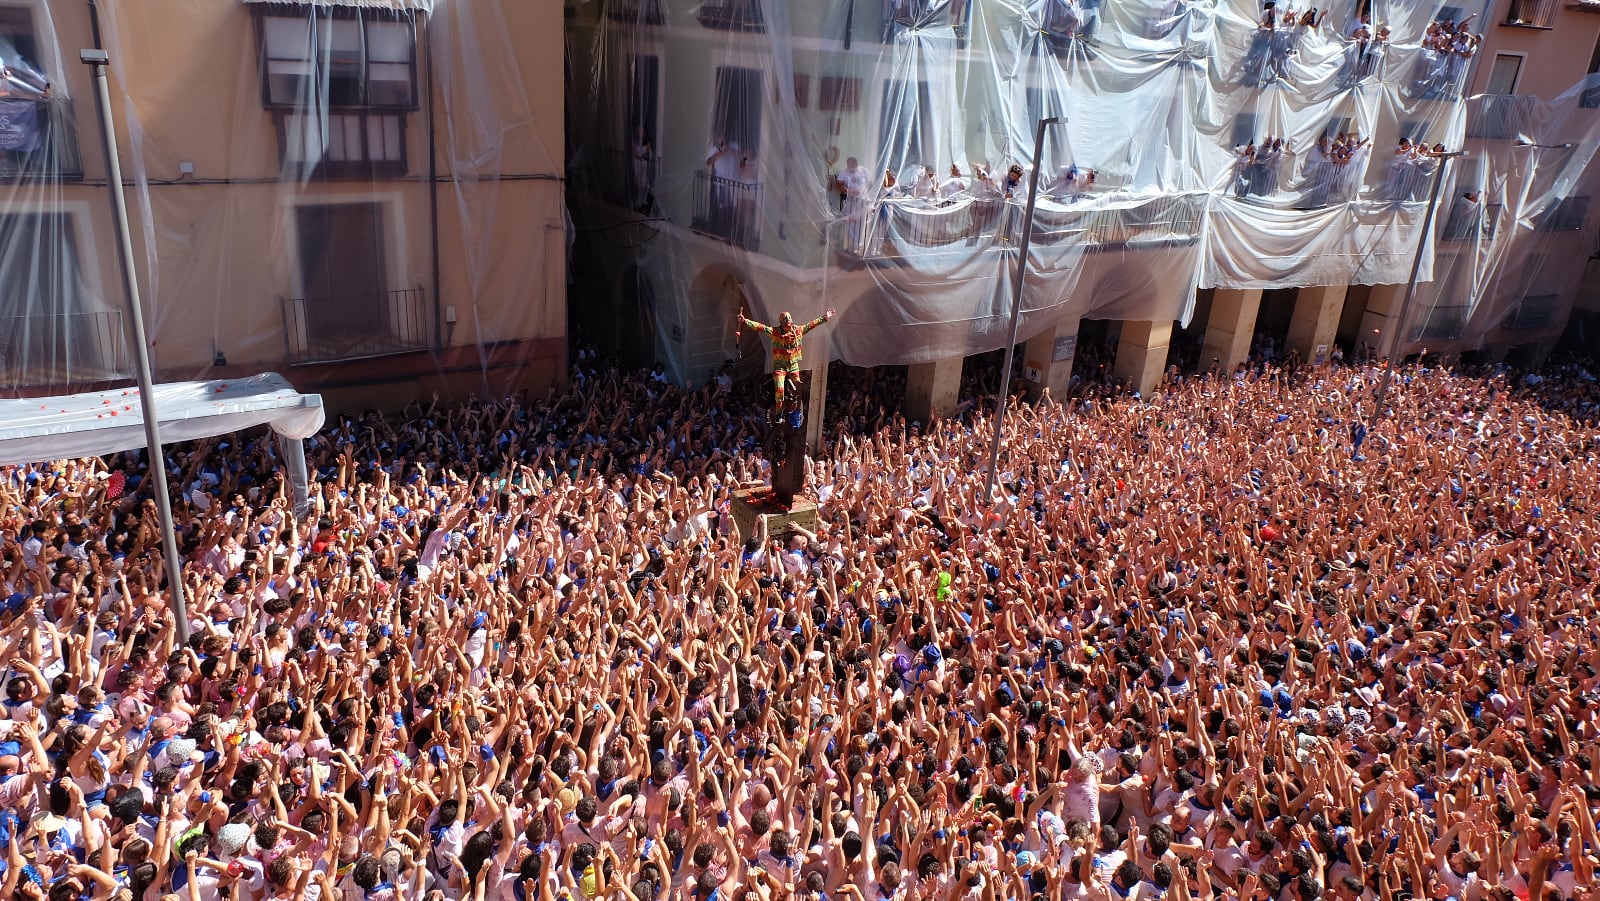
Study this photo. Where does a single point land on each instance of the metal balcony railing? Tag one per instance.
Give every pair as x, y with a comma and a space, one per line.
900, 228
1441, 324
1499, 116
356, 326
1566, 215
1468, 221
62, 349
1533, 313
727, 209
625, 178
635, 12
47, 142
732, 15
1532, 13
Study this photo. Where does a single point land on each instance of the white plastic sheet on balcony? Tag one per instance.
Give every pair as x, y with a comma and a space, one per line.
737, 120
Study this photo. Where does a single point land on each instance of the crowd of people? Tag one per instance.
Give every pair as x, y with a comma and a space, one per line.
1447, 51
1227, 642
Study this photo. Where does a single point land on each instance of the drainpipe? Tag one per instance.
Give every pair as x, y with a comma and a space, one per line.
433, 193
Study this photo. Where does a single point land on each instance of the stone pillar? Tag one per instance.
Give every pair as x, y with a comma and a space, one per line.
1381, 320
1142, 354
816, 406
1229, 329
1047, 360
933, 389
1315, 323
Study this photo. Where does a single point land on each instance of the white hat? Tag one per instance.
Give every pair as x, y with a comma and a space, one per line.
231, 838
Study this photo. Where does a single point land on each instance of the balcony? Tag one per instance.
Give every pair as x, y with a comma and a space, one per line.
901, 229
728, 210
626, 180
1468, 222
1499, 116
62, 349
635, 12
1566, 215
45, 133
731, 15
1531, 14
1442, 324
356, 327
910, 16
1533, 313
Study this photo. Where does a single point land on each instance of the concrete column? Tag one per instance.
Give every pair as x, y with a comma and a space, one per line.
1142, 354
816, 406
1316, 322
1382, 318
1047, 360
932, 389
1229, 329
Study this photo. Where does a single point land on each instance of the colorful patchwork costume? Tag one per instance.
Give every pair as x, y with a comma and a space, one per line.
786, 341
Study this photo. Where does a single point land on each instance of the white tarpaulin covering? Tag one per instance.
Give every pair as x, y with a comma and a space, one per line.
859, 154
97, 423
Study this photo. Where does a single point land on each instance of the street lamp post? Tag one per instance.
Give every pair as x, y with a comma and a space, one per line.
1016, 300
97, 61
1396, 334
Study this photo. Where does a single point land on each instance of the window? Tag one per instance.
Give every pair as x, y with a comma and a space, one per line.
1338, 125
905, 124
1450, 14
644, 91
1503, 76
1244, 130
802, 90
1414, 130
839, 94
17, 35
50, 333
338, 59
1565, 216
635, 12
1498, 115
1536, 311
1591, 95
1531, 13
344, 145
736, 114
1043, 103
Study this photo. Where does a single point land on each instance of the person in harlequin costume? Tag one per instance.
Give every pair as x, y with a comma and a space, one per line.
786, 341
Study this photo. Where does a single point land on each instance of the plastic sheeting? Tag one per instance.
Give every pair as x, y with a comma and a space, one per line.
309, 184
99, 423
873, 156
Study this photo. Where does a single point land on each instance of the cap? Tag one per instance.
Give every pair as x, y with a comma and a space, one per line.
231, 838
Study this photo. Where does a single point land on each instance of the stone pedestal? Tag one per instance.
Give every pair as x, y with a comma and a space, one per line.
750, 505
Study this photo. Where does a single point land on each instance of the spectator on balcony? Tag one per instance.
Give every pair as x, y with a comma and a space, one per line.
926, 186
1364, 52
854, 182
1466, 217
747, 206
953, 187
722, 164
1447, 51
1264, 169
1244, 158
1013, 183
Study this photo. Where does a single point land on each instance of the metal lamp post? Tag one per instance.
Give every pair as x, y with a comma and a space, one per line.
1394, 337
1016, 301
97, 61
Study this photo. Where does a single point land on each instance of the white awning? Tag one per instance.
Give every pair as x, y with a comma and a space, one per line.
421, 6
40, 429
